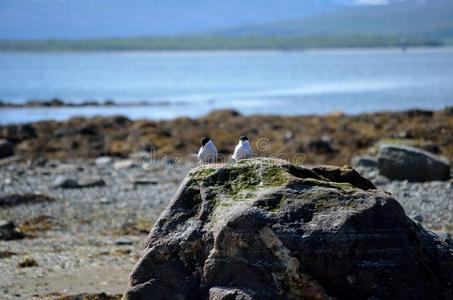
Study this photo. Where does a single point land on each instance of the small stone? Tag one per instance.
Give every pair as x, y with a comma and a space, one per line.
124, 164
27, 198
8, 231
90, 181
6, 149
144, 181
289, 135
6, 254
64, 182
28, 262
123, 241
39, 162
105, 200
103, 160
64, 168
140, 155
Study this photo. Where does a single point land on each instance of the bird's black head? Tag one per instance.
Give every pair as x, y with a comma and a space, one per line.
205, 140
243, 138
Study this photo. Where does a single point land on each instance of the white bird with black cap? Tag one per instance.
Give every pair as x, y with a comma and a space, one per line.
208, 152
243, 149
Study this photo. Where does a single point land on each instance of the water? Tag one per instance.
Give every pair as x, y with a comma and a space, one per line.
194, 83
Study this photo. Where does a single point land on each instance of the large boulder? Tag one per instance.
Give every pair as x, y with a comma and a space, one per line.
399, 162
267, 229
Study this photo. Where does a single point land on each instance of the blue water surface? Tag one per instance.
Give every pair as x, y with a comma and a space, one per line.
257, 82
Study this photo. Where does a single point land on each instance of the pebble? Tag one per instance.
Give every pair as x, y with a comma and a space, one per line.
124, 164
103, 160
90, 181
8, 231
64, 182
106, 200
123, 241
144, 181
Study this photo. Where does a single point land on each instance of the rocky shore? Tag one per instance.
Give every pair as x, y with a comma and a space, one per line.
80, 238
86, 237
332, 139
78, 198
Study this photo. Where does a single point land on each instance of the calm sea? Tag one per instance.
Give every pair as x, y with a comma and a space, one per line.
193, 83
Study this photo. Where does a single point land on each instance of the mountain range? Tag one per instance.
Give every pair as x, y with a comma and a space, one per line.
81, 19
424, 19
91, 25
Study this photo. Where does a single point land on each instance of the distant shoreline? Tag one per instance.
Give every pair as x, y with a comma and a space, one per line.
56, 102
213, 43
251, 51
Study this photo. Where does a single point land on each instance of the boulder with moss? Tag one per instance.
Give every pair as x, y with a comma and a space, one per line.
267, 229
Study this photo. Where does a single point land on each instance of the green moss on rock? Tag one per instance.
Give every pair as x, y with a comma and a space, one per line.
202, 173
229, 185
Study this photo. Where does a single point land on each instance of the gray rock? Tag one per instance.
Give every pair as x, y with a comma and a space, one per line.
364, 161
6, 149
106, 200
26, 198
67, 168
38, 162
124, 164
90, 181
84, 182
64, 182
9, 232
103, 160
144, 181
320, 146
18, 133
408, 163
266, 229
